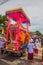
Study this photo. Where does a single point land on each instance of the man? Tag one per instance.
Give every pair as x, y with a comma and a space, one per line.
1, 45
30, 50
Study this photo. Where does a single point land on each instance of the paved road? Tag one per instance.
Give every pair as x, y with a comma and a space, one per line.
14, 60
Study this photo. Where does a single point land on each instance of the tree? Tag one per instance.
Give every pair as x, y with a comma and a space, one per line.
38, 33
3, 22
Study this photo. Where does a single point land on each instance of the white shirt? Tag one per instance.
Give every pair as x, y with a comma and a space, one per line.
31, 47
36, 45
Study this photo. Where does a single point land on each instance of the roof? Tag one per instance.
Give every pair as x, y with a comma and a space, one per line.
18, 14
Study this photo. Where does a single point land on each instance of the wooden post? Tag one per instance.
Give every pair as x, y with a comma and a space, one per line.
42, 54
0, 51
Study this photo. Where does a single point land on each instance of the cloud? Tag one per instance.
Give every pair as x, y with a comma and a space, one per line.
33, 8
3, 1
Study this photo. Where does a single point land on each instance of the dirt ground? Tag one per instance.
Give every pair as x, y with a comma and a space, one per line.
14, 60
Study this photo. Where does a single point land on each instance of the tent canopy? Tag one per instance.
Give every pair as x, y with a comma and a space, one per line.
18, 15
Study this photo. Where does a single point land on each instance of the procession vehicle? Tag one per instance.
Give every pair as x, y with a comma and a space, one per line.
17, 31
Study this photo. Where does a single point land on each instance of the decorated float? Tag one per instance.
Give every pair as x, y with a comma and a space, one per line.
17, 34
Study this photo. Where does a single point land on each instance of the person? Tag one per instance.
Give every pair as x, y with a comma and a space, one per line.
30, 48
1, 46
36, 46
42, 42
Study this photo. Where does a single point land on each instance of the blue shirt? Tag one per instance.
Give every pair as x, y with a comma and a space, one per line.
1, 44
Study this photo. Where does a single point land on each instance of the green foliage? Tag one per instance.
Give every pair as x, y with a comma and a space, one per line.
42, 35
3, 22
38, 33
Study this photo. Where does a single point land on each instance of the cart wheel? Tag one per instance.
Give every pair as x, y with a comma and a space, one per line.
19, 54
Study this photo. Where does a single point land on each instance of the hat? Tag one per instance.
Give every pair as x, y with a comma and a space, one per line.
31, 40
36, 40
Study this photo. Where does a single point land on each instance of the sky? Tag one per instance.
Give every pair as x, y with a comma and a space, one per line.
33, 9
